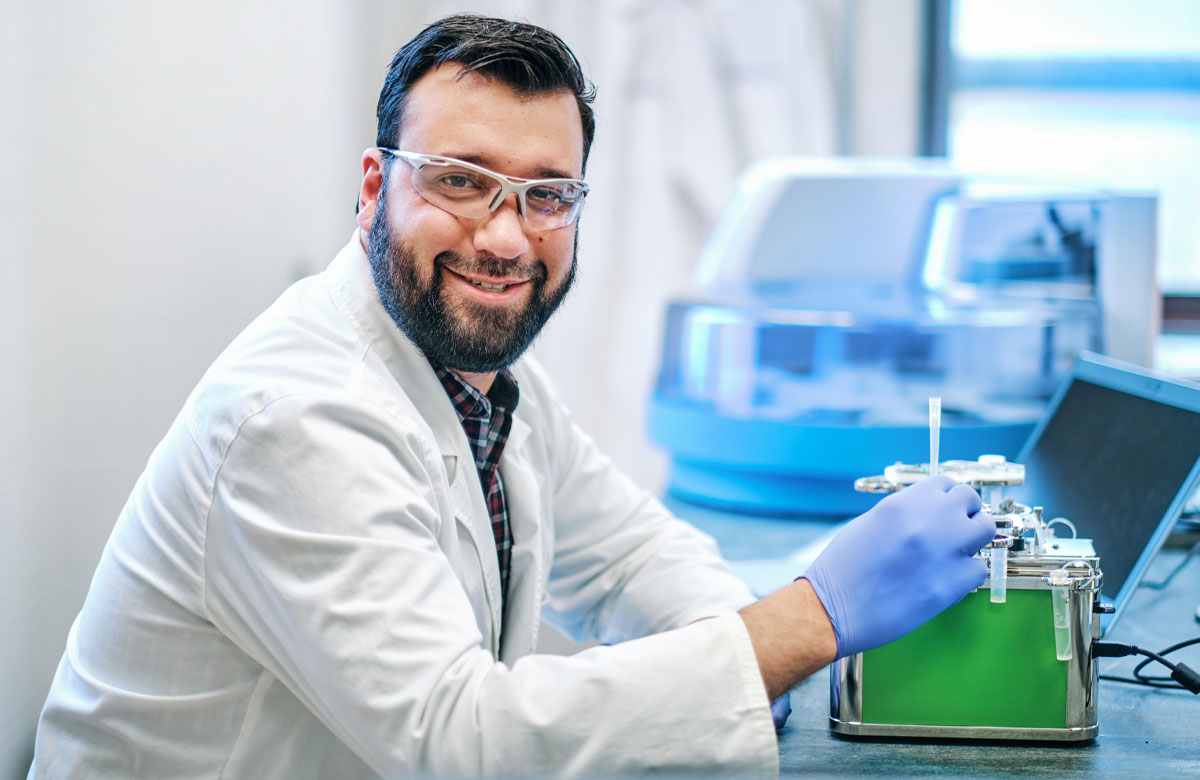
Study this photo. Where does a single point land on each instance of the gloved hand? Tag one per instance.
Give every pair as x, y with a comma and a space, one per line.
780, 709
902, 562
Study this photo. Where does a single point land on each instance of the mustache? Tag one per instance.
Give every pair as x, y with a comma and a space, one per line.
490, 266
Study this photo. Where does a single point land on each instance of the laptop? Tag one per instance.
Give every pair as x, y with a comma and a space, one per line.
1117, 453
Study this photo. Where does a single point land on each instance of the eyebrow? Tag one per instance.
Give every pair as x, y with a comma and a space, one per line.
482, 162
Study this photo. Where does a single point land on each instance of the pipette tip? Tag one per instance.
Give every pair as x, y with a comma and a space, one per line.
935, 432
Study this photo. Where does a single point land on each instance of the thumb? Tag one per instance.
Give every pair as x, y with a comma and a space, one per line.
980, 531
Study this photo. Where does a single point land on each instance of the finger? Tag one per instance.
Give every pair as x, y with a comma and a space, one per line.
971, 575
966, 533
967, 498
931, 486
939, 482
980, 530
959, 578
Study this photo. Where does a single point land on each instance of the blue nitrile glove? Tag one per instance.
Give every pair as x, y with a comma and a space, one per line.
902, 562
780, 709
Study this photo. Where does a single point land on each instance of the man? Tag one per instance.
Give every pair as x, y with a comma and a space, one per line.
335, 562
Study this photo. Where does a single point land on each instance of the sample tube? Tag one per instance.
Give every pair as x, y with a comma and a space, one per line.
1039, 532
935, 432
1060, 594
999, 574
991, 497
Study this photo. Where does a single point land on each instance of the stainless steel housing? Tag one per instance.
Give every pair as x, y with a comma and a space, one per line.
848, 688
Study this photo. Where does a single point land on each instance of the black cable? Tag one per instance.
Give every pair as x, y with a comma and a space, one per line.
1161, 678
1178, 568
1134, 681
1183, 677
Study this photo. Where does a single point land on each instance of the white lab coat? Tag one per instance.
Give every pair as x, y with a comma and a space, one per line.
304, 584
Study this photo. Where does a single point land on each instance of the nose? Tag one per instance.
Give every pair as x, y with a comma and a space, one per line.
502, 233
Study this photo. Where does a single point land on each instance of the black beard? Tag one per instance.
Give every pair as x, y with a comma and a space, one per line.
472, 338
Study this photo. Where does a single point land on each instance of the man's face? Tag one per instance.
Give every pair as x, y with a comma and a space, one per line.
429, 264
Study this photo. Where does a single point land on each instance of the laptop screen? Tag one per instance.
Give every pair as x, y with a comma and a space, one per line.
1116, 454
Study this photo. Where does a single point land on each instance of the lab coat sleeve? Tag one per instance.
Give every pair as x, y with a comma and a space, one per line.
624, 566
325, 562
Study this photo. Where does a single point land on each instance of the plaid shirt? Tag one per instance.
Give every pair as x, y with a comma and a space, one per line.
487, 419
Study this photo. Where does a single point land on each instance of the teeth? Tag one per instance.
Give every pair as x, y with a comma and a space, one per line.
489, 287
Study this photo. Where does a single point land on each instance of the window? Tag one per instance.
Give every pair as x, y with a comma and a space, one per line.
1099, 91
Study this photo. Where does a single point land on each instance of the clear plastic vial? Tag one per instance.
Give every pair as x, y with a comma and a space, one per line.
999, 574
1060, 597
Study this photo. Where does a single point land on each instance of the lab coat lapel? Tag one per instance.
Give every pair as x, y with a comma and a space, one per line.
355, 290
522, 612
466, 494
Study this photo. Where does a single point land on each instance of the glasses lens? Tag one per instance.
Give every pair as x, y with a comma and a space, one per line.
460, 191
473, 194
553, 204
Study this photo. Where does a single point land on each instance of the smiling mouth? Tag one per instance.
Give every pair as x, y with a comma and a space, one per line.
494, 287
488, 287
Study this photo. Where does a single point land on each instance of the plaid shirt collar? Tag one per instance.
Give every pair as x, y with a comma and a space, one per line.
470, 404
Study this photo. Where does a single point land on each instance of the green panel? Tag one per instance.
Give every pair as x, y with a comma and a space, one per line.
976, 664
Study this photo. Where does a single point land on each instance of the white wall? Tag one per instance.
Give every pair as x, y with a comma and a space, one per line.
167, 169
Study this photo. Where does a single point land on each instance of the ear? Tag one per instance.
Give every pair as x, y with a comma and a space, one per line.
368, 192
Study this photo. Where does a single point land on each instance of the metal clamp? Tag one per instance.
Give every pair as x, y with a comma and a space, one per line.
1074, 583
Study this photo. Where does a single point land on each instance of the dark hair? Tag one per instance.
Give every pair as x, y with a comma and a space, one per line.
529, 59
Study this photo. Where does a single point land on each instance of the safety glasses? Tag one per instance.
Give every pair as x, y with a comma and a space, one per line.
467, 190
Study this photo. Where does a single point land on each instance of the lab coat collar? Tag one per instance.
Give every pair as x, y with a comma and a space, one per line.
354, 290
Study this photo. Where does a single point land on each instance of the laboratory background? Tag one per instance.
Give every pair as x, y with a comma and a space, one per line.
168, 169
